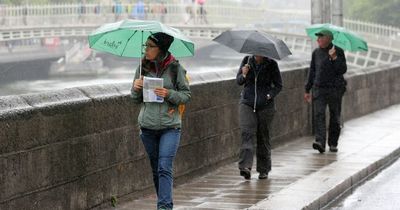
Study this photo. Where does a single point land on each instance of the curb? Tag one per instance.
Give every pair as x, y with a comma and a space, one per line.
319, 189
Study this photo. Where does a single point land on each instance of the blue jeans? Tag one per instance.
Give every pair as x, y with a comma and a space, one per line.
161, 147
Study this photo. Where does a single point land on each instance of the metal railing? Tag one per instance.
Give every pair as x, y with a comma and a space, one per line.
299, 43
99, 13
371, 28
217, 12
205, 32
77, 20
232, 13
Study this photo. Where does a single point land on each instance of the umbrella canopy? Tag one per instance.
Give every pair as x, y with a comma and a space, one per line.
342, 37
255, 42
126, 38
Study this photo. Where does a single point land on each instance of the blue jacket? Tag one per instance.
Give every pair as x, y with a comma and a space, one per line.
262, 80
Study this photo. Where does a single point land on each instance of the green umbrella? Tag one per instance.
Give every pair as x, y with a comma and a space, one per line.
342, 37
126, 38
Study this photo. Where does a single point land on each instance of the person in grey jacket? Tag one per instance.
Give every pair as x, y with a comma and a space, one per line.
326, 80
262, 82
160, 123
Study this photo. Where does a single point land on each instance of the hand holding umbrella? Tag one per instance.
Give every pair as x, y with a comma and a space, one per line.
138, 84
245, 70
332, 53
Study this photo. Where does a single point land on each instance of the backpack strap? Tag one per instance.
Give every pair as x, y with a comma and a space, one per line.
174, 76
174, 73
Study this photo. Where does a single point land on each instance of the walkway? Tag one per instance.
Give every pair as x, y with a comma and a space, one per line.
300, 177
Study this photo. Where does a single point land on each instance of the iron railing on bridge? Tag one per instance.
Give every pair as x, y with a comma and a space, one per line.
377, 55
78, 20
217, 12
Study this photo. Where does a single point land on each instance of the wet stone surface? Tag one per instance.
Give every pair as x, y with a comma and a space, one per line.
225, 189
299, 174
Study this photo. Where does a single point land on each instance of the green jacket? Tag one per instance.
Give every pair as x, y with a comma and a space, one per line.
159, 116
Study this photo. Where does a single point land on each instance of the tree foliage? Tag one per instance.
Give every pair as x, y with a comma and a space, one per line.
379, 11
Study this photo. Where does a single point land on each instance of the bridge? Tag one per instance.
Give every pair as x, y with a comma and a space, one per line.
378, 54
79, 148
68, 21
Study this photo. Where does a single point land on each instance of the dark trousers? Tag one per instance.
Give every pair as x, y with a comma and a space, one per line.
331, 98
255, 127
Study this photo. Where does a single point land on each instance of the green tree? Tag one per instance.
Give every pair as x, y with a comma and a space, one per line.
379, 11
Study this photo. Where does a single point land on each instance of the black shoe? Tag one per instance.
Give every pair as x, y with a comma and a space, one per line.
318, 146
245, 173
263, 175
333, 149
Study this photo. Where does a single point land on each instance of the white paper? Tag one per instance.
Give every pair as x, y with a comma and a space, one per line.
149, 85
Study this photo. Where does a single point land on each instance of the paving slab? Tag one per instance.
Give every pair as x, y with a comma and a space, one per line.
367, 144
301, 178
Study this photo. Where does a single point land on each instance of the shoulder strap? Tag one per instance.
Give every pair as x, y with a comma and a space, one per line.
174, 76
174, 73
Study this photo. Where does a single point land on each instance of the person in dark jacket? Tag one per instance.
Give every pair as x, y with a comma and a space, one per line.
262, 82
325, 79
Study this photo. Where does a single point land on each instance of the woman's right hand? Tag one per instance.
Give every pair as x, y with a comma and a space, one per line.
307, 97
138, 84
245, 70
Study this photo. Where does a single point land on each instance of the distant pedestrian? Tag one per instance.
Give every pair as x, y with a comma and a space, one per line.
2, 15
326, 80
97, 9
24, 15
262, 82
117, 9
82, 11
202, 12
138, 11
159, 11
163, 12
189, 9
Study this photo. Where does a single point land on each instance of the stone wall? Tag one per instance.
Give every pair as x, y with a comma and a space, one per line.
371, 89
76, 148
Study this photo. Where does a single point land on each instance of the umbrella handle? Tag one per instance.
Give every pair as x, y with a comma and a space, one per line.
248, 62
141, 54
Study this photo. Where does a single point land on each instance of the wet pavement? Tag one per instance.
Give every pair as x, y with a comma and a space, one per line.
380, 192
300, 176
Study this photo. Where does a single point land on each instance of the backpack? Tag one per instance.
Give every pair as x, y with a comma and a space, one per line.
174, 75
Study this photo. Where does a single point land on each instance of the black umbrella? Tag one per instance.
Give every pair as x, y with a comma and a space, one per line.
255, 42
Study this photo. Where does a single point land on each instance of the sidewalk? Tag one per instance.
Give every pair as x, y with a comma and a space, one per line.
301, 178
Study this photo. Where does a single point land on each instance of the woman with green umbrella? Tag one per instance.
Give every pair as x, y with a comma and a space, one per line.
160, 123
